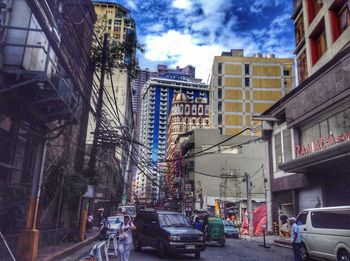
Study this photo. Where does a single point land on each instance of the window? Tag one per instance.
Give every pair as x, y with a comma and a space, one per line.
283, 145
313, 7
286, 72
302, 67
220, 119
219, 93
220, 130
219, 68
336, 219
301, 220
299, 30
219, 106
246, 81
200, 110
318, 42
340, 18
219, 81
246, 69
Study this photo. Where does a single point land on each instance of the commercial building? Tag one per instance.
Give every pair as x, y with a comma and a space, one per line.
308, 129
242, 87
184, 116
209, 172
157, 96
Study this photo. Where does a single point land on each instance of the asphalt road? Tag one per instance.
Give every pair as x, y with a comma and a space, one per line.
235, 249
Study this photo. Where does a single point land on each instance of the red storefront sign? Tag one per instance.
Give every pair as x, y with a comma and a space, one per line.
320, 144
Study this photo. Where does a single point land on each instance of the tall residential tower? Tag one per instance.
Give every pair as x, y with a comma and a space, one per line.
157, 96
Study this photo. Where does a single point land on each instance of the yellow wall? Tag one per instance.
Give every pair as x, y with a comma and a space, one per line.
267, 95
233, 82
233, 107
247, 120
247, 107
233, 94
259, 70
267, 83
232, 131
261, 107
234, 69
233, 120
288, 83
247, 95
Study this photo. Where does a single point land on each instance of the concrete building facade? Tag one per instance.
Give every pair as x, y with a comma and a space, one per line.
308, 130
218, 173
321, 31
242, 87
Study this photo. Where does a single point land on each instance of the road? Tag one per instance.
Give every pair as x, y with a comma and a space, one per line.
234, 250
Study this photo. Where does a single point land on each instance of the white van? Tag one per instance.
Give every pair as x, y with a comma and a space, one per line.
325, 233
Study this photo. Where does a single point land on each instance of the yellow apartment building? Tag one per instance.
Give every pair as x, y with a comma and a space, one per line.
118, 19
244, 87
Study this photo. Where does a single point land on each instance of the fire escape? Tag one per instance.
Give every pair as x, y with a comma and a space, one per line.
34, 85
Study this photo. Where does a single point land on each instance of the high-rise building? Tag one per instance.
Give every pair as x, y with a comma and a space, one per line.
114, 19
157, 96
242, 87
320, 33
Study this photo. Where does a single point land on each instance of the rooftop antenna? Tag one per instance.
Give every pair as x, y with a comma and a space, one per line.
208, 78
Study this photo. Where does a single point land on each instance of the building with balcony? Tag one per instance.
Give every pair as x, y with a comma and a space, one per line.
308, 130
45, 87
321, 31
157, 96
242, 87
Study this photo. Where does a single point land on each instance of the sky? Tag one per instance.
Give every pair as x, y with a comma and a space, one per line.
183, 32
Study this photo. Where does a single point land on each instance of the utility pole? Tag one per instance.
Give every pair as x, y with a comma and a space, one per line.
127, 170
93, 152
249, 203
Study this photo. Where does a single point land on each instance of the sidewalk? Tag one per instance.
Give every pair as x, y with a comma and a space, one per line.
270, 240
54, 253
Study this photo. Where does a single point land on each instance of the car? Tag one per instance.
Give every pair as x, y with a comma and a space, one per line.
325, 233
168, 232
230, 229
114, 223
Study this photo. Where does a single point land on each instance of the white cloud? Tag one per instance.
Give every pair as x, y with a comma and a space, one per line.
182, 4
132, 5
259, 5
181, 49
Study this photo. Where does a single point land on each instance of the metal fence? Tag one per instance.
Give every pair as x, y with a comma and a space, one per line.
48, 237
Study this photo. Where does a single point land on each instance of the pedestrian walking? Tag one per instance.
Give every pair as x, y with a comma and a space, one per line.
125, 238
295, 238
89, 223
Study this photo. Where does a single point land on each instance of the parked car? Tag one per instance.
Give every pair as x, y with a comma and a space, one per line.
230, 229
113, 224
325, 233
168, 232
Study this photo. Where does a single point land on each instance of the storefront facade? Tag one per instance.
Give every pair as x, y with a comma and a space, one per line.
308, 132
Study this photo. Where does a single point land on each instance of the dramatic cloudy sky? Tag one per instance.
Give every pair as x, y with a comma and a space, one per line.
182, 32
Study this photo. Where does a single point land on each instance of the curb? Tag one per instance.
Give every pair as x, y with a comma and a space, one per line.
70, 249
282, 245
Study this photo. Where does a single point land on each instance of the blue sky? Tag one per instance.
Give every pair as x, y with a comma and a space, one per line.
182, 32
